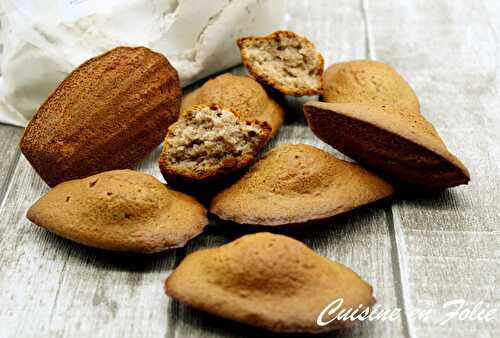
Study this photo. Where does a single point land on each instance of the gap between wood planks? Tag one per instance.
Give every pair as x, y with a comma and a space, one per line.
394, 227
393, 223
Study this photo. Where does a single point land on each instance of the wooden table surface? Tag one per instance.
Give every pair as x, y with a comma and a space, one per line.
418, 253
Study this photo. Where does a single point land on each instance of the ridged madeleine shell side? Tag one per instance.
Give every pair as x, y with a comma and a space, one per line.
107, 114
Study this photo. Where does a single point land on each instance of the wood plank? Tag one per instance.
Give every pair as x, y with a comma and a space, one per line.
359, 239
9, 139
448, 243
68, 290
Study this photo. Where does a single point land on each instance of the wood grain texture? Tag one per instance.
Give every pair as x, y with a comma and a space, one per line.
449, 243
69, 290
417, 252
360, 239
9, 150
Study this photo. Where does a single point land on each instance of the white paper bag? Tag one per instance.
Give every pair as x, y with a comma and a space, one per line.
45, 40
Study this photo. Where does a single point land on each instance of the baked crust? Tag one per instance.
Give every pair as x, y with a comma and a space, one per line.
240, 94
109, 113
276, 38
228, 166
368, 82
373, 116
269, 281
121, 210
399, 144
296, 184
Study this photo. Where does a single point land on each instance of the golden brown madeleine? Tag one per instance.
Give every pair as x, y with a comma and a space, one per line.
240, 94
121, 210
377, 84
369, 82
284, 60
208, 143
269, 281
107, 114
297, 183
399, 144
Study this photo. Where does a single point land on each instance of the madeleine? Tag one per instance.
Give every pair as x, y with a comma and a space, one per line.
121, 210
269, 281
298, 183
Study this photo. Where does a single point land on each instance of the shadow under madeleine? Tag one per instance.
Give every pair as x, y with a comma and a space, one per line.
186, 320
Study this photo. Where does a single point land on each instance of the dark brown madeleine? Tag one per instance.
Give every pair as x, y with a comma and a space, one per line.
107, 114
